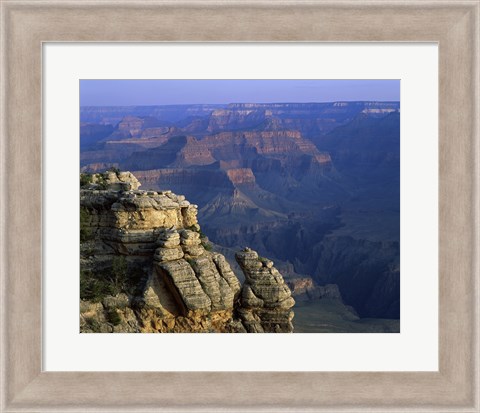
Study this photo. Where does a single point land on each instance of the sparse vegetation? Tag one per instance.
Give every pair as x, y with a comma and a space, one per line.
119, 274
85, 179
113, 317
93, 324
207, 245
136, 281
88, 250
86, 233
100, 181
97, 179
115, 170
96, 285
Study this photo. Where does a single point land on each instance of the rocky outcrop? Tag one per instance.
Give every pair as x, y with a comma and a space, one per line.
113, 180
111, 315
146, 267
196, 282
119, 181
266, 302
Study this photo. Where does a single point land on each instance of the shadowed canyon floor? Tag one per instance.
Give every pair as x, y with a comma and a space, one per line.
332, 316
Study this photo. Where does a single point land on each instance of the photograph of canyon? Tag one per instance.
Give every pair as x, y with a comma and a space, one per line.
239, 206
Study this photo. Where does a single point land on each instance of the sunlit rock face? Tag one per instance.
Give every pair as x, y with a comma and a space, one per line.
169, 280
266, 301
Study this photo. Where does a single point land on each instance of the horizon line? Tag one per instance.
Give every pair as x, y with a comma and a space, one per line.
242, 103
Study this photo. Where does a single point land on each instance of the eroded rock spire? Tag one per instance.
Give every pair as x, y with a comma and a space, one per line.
266, 301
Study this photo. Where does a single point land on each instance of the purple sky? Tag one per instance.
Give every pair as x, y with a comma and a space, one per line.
173, 92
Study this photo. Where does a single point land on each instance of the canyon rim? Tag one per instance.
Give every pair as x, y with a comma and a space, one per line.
239, 206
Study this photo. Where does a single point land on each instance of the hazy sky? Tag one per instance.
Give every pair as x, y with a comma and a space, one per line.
170, 92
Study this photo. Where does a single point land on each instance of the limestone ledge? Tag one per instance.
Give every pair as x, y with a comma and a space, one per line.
129, 222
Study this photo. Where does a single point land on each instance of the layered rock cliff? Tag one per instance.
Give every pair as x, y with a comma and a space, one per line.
146, 267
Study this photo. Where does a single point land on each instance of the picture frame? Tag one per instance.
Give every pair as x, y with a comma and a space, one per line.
25, 25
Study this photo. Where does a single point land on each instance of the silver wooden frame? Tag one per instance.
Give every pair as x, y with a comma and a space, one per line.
26, 24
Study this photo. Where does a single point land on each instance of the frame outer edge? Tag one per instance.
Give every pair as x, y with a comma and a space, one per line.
3, 255
21, 331
476, 202
5, 208
458, 184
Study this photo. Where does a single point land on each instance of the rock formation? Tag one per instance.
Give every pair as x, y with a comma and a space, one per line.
146, 267
196, 282
115, 181
266, 300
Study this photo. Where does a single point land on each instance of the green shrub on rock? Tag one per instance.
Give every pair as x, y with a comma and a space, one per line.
115, 170
113, 317
207, 245
85, 179
86, 233
94, 287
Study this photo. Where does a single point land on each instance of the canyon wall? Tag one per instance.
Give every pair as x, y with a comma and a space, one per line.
314, 186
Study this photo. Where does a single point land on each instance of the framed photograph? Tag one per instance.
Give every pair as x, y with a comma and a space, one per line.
240, 168
264, 192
